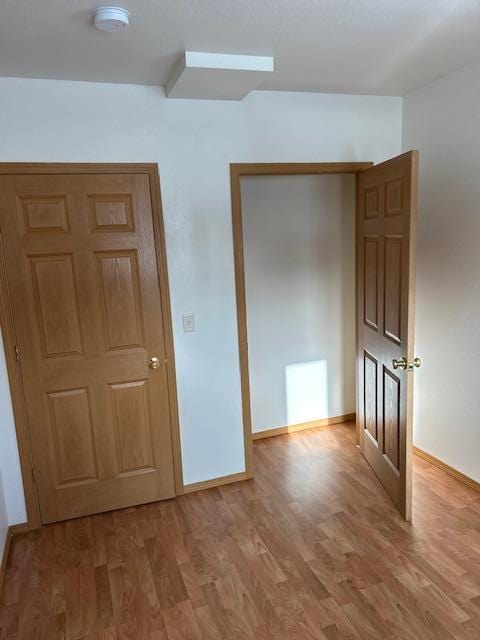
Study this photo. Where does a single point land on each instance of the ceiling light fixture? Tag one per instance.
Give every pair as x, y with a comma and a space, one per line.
111, 19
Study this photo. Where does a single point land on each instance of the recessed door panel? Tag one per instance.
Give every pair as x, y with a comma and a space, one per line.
370, 395
119, 285
132, 426
393, 289
371, 282
391, 417
45, 213
394, 197
73, 437
56, 303
371, 203
112, 213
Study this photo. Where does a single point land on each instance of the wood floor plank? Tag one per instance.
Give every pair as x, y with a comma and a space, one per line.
311, 549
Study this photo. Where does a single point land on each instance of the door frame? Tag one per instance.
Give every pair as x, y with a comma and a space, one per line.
8, 326
237, 171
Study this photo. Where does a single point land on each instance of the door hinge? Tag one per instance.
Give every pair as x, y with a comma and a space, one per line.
33, 476
17, 353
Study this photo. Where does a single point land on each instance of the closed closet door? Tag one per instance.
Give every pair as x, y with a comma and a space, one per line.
83, 281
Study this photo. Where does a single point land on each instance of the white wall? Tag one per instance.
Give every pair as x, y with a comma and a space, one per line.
194, 142
442, 120
12, 504
299, 247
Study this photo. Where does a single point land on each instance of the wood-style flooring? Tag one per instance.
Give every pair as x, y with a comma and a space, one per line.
310, 549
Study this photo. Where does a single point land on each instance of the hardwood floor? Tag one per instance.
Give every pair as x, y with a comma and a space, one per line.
293, 554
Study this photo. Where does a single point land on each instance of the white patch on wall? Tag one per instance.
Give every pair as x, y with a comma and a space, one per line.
306, 385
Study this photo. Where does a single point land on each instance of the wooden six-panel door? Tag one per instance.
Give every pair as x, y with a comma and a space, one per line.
82, 275
385, 294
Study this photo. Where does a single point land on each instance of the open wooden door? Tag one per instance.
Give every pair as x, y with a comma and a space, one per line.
386, 223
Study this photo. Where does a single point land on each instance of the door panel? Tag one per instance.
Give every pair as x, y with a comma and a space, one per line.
391, 418
83, 280
370, 397
118, 282
71, 426
371, 282
56, 306
111, 213
392, 289
46, 213
132, 426
385, 317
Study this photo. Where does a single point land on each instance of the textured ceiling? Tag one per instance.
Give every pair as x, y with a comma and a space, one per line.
365, 46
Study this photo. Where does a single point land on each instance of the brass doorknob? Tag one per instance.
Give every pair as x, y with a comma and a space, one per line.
404, 364
400, 364
415, 363
154, 362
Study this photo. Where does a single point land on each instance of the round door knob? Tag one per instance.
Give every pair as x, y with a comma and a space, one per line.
404, 364
416, 362
400, 364
154, 362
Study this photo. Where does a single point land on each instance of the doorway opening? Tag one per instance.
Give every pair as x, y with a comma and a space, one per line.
239, 174
299, 255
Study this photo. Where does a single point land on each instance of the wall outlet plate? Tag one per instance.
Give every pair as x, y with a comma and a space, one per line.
188, 322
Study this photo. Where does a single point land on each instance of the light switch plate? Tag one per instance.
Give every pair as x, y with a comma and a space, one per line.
188, 322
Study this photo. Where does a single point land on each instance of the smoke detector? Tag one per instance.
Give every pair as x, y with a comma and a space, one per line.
111, 19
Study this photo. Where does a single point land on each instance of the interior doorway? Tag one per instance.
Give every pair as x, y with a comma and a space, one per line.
237, 173
385, 223
299, 249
